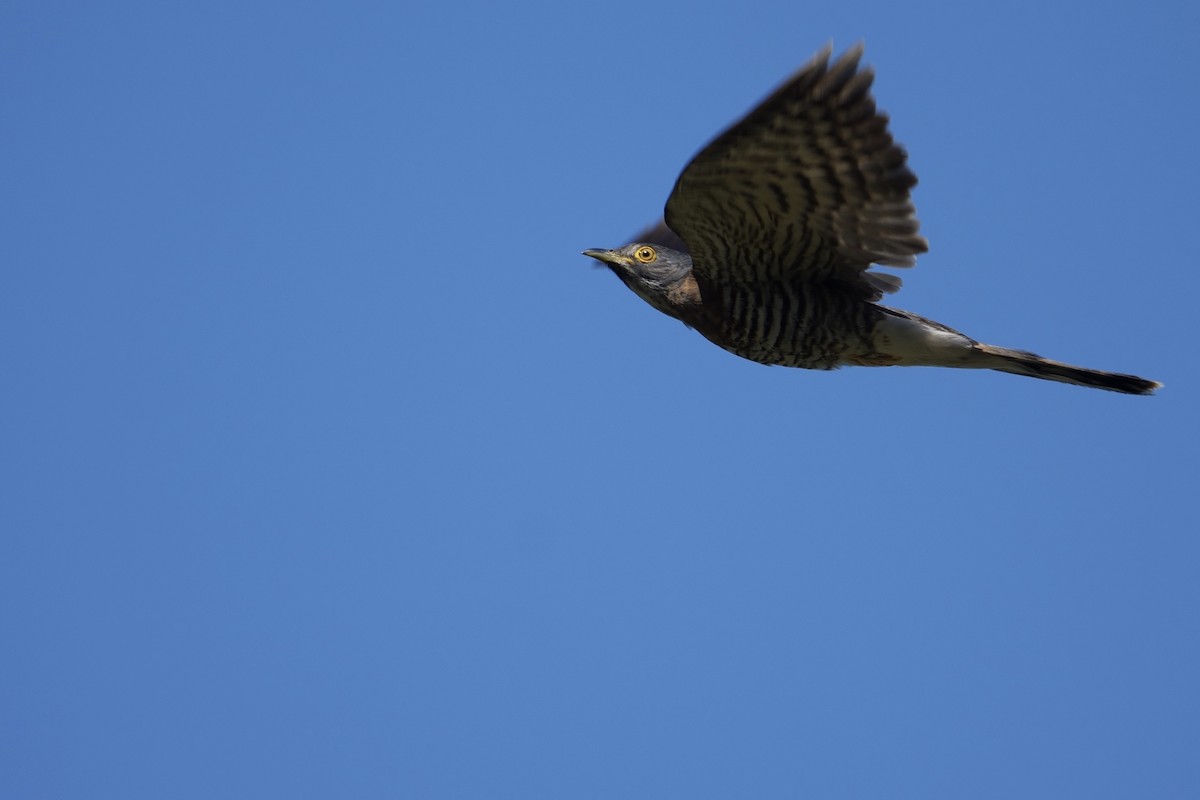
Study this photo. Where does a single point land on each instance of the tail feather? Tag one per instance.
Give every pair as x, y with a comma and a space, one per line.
1020, 362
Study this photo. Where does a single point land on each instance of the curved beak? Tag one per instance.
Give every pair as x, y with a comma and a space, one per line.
607, 256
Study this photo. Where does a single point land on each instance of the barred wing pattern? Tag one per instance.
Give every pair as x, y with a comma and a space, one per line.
807, 187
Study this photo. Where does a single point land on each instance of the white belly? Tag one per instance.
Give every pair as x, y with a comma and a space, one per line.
914, 343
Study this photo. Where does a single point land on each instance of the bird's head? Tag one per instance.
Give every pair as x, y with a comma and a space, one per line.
649, 270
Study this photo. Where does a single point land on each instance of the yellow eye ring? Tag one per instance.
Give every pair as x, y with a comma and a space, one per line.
645, 254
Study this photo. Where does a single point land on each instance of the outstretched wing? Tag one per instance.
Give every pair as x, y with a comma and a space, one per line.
809, 185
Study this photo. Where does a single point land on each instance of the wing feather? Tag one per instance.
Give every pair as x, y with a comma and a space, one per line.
809, 185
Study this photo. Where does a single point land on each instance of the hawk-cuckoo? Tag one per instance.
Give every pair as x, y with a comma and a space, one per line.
771, 230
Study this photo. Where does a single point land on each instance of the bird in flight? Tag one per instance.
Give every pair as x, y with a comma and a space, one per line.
770, 233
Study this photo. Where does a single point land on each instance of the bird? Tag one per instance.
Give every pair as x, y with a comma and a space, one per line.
769, 236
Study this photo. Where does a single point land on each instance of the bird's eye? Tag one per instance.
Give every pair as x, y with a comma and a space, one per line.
646, 255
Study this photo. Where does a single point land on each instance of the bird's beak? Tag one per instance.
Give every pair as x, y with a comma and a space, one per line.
607, 256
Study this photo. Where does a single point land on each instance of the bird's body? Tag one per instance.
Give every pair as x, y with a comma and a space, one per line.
787, 324
771, 230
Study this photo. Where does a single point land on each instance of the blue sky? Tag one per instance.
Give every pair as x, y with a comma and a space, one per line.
331, 468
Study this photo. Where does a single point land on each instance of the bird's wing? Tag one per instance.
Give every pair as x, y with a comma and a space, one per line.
809, 185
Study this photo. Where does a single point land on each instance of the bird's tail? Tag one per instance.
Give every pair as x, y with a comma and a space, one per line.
1020, 362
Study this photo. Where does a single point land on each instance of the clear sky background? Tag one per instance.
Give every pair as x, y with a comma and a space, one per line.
331, 468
